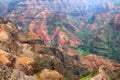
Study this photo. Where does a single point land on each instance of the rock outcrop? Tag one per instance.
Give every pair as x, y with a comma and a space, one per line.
102, 75
116, 21
94, 61
4, 59
47, 74
6, 73
18, 75
105, 74
27, 65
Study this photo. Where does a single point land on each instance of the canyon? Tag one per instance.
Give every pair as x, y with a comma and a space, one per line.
70, 39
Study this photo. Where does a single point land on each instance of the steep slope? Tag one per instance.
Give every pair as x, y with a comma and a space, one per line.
44, 22
26, 56
29, 55
88, 26
105, 74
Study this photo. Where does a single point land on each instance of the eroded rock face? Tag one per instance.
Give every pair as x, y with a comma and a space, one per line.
4, 59
66, 24
18, 75
41, 20
116, 22
102, 75
26, 52
105, 74
10, 50
62, 39
69, 66
29, 48
5, 72
27, 65
93, 62
3, 36
7, 30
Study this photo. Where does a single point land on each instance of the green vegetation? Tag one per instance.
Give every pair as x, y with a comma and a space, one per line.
50, 31
74, 20
92, 74
82, 50
37, 75
87, 52
86, 77
106, 44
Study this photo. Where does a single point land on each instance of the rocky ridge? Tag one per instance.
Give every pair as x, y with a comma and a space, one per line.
65, 25
25, 56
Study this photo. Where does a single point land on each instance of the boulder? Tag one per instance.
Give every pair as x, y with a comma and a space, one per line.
47, 74
4, 58
101, 75
27, 65
19, 75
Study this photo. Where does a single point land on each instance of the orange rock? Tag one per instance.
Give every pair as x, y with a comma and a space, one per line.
24, 60
62, 37
64, 40
25, 64
93, 27
47, 74
4, 59
3, 35
33, 36
70, 52
72, 43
